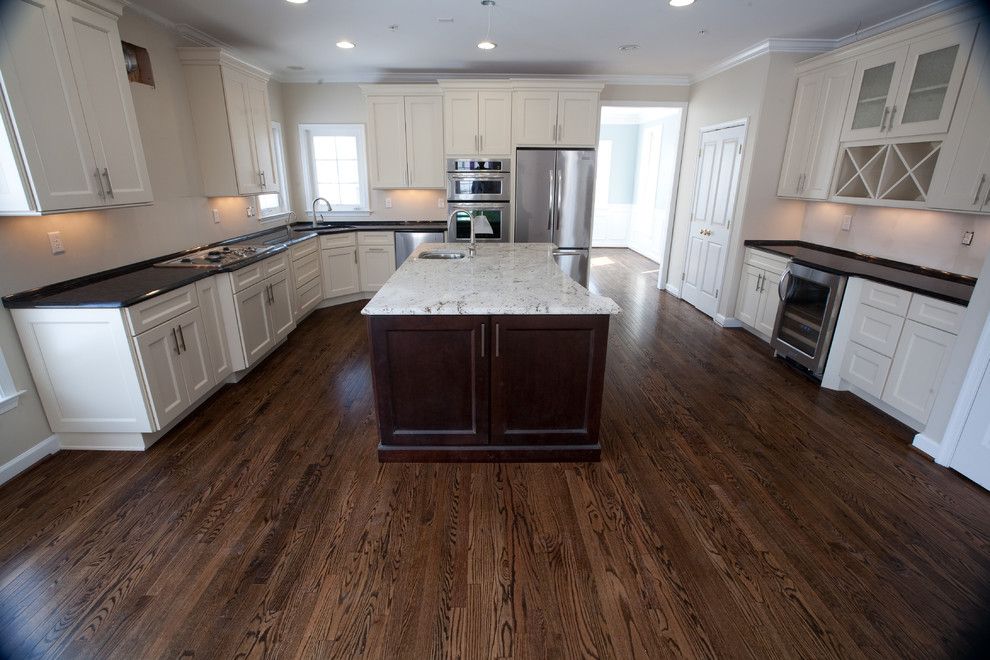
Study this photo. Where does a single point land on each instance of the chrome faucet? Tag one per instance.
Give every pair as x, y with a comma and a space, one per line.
472, 248
317, 201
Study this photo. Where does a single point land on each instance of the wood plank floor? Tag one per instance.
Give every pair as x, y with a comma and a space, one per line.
738, 511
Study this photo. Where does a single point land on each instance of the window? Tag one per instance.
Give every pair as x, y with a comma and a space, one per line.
335, 164
8, 393
603, 180
276, 204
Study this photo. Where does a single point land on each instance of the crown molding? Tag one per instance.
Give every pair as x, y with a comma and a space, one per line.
937, 7
188, 32
467, 78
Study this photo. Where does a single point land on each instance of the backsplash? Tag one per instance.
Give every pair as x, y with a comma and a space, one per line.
920, 237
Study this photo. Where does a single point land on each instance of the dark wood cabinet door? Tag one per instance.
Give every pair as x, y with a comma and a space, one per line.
432, 379
547, 377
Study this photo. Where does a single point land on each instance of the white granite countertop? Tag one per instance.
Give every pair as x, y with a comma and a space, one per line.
503, 278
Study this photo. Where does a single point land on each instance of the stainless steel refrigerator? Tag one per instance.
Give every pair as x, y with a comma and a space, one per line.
555, 198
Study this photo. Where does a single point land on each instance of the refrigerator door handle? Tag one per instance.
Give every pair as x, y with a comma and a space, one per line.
560, 185
550, 203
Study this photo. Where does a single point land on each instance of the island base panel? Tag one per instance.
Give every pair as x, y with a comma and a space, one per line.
490, 454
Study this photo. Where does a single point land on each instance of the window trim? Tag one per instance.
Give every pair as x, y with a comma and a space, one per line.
284, 208
306, 132
9, 394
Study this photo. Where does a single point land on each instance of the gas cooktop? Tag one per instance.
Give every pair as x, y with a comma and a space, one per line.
218, 257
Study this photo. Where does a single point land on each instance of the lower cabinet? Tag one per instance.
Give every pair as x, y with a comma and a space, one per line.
340, 272
216, 338
488, 387
919, 364
758, 300
307, 276
258, 316
253, 323
376, 265
280, 306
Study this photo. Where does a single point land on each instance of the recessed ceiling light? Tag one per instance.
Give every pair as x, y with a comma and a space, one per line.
297, 2
681, 3
625, 48
345, 44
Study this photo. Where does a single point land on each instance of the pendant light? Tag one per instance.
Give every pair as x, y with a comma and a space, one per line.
487, 43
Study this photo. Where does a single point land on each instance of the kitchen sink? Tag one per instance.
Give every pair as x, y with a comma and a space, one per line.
440, 254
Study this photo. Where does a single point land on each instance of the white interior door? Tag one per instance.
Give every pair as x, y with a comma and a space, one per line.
719, 166
644, 234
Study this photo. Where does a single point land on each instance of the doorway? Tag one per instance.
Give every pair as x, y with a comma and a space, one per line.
636, 182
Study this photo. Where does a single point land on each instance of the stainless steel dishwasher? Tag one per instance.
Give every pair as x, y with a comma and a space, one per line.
407, 241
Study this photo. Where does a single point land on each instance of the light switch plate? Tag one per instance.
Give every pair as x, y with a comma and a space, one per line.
388, 202
968, 237
847, 221
216, 216
55, 240
440, 202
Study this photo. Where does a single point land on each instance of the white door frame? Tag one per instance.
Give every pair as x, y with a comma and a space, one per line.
665, 249
744, 124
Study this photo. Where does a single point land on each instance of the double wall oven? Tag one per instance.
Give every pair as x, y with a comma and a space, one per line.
478, 187
809, 309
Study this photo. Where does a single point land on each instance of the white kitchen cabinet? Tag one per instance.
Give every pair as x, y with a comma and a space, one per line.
375, 265
71, 106
766, 317
158, 351
865, 368
257, 303
308, 296
813, 139
748, 304
307, 268
232, 119
758, 300
255, 336
547, 117
280, 306
340, 271
477, 122
961, 181
919, 364
405, 136
216, 338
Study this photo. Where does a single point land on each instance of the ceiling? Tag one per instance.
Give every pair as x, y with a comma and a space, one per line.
557, 37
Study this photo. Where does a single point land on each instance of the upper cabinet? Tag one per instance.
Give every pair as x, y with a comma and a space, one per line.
232, 118
405, 135
909, 89
477, 122
72, 124
555, 117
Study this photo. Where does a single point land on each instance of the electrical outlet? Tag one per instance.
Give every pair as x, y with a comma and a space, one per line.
250, 211
388, 202
441, 203
55, 240
968, 237
216, 216
847, 221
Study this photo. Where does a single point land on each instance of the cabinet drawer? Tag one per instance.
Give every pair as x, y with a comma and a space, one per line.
309, 296
887, 298
937, 313
276, 264
242, 278
306, 269
865, 368
766, 260
877, 329
300, 250
376, 238
154, 312
328, 241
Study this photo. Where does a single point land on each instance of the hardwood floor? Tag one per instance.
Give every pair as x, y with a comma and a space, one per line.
739, 511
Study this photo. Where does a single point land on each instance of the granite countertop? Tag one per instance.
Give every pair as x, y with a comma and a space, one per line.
919, 279
505, 278
373, 225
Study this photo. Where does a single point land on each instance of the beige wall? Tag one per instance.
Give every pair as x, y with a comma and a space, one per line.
646, 93
180, 217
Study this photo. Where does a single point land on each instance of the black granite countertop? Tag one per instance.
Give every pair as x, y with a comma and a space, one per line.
375, 225
919, 279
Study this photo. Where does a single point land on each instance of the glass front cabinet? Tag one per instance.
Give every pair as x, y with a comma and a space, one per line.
911, 89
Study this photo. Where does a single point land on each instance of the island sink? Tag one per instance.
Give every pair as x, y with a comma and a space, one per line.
500, 357
439, 254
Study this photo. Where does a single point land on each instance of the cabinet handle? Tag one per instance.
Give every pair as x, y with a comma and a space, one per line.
106, 173
263, 184
481, 143
496, 341
758, 278
482, 340
979, 188
176, 340
355, 256
890, 120
182, 338
103, 193
883, 120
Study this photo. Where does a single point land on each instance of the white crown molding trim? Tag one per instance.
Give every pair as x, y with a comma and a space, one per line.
184, 30
26, 459
911, 16
372, 77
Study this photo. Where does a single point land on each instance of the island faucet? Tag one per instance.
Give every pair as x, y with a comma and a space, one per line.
317, 201
472, 248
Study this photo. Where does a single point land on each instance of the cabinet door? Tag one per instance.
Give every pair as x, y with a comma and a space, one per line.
15, 188
748, 303
424, 142
460, 119
308, 296
283, 321
46, 107
933, 74
216, 336
827, 130
534, 118
387, 137
577, 119
865, 368
431, 378
340, 272
874, 89
376, 265
254, 321
98, 65
158, 352
766, 317
242, 137
547, 376
495, 122
798, 151
919, 365
962, 174
197, 366
261, 129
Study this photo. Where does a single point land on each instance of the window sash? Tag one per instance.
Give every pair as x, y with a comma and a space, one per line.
307, 132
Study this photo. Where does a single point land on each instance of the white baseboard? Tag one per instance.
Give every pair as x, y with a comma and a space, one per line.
340, 300
18, 464
609, 244
673, 290
133, 441
727, 321
926, 444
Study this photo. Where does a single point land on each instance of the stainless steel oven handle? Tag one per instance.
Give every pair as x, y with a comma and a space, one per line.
478, 175
785, 281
